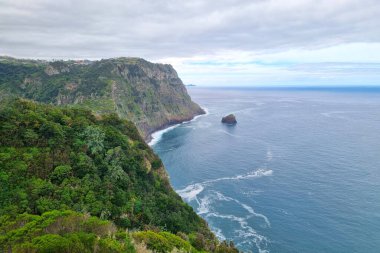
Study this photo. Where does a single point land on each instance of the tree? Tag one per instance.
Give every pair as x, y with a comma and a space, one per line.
94, 138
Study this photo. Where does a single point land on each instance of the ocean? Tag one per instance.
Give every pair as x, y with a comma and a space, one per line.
300, 172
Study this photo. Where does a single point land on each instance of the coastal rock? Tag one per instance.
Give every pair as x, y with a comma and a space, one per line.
229, 119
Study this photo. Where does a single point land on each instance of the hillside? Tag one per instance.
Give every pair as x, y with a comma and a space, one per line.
150, 95
58, 158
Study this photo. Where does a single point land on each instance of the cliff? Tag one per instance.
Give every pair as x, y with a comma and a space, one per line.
75, 172
150, 95
59, 166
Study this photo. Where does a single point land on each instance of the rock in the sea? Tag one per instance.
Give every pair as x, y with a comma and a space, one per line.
229, 119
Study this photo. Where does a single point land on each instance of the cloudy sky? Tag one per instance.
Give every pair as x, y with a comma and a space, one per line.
223, 42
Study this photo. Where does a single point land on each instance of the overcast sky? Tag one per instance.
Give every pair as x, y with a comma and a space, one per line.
223, 42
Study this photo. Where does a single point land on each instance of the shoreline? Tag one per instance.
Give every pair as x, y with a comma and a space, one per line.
156, 136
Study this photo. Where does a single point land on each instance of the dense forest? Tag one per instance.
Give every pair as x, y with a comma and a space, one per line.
88, 183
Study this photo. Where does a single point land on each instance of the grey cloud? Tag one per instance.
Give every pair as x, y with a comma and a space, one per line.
169, 28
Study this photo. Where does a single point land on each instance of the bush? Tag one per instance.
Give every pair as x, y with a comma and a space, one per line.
176, 241
153, 241
62, 232
60, 173
163, 242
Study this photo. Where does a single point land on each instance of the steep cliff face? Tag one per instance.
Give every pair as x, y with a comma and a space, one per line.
59, 165
151, 95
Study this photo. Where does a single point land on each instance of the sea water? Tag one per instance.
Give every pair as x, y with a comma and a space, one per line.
299, 172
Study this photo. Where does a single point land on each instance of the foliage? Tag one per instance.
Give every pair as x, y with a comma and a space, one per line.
167, 242
54, 159
61, 231
163, 241
150, 95
61, 158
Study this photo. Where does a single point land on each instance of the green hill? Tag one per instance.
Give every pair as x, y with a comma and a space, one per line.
150, 95
58, 158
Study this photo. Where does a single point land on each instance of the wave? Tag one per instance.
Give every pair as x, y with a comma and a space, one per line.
252, 236
205, 208
250, 210
190, 192
252, 174
246, 232
219, 234
157, 136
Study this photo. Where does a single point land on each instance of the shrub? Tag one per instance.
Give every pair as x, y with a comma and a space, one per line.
154, 241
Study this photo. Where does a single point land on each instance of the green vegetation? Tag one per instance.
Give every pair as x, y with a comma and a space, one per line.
194, 243
58, 158
163, 241
73, 232
54, 159
61, 231
150, 95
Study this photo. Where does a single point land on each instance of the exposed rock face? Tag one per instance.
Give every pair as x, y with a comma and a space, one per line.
229, 119
151, 95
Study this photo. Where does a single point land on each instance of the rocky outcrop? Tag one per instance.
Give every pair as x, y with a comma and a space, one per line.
229, 119
151, 95
161, 97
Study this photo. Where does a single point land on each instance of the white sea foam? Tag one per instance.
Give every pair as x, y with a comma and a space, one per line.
157, 136
250, 233
247, 232
221, 197
218, 233
250, 210
227, 217
190, 192
252, 237
205, 207
252, 174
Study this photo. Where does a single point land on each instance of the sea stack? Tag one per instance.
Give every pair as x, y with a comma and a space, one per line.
229, 119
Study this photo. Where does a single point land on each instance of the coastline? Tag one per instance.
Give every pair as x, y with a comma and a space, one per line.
156, 136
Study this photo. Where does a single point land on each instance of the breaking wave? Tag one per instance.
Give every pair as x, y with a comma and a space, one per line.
157, 136
244, 231
206, 200
191, 192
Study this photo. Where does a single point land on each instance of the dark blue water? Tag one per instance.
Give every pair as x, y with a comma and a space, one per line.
300, 172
